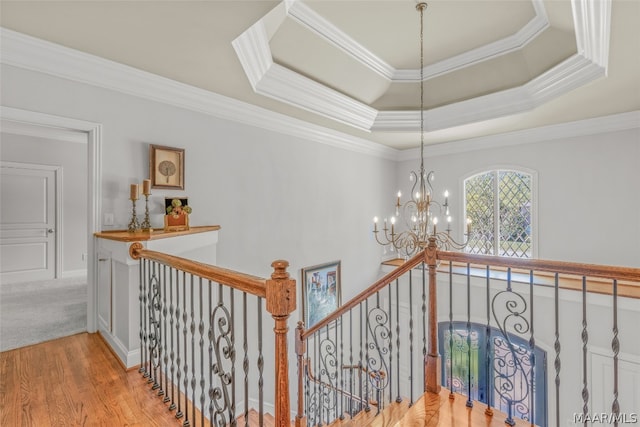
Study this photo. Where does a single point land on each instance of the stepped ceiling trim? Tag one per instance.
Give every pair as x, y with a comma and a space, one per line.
592, 27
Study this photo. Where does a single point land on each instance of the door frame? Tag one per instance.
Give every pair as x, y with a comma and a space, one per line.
57, 171
93, 132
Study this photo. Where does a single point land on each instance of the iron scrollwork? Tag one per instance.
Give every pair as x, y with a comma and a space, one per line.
221, 335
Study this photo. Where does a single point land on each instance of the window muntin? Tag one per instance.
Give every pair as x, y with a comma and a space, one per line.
499, 204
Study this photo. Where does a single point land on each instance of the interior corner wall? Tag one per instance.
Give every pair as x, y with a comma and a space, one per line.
588, 195
72, 157
274, 195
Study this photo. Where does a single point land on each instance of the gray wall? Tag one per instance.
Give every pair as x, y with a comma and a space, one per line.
588, 192
72, 156
275, 196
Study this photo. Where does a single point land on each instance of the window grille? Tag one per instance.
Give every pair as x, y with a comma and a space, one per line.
499, 204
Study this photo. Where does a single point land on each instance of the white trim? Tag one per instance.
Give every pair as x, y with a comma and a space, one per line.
74, 273
598, 125
94, 193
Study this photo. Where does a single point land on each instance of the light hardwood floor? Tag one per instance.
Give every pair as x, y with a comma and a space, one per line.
75, 381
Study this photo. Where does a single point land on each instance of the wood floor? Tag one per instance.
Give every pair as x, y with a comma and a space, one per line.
75, 381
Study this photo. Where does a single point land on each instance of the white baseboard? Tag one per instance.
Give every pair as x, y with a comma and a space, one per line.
129, 358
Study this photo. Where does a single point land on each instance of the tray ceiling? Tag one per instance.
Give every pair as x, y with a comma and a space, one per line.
353, 66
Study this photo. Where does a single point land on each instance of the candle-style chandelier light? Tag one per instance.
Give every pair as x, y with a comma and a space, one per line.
418, 216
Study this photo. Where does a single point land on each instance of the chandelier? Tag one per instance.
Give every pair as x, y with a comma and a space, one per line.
419, 215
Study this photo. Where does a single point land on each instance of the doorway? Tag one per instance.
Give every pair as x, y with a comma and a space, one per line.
90, 134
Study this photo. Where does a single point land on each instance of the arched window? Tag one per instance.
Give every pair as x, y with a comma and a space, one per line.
501, 371
499, 204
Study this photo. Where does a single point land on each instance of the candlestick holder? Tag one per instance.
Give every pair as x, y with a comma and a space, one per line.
146, 222
134, 225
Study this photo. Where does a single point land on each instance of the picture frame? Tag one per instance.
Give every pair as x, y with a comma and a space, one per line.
166, 167
321, 291
175, 222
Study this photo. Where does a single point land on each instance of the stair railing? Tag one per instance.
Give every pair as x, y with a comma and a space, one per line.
494, 323
508, 316
366, 333
201, 338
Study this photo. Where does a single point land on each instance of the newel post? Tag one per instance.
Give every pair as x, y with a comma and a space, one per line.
432, 362
281, 302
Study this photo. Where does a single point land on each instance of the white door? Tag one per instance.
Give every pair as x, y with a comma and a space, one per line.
28, 222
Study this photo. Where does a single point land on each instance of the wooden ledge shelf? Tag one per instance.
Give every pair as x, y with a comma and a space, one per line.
626, 288
140, 236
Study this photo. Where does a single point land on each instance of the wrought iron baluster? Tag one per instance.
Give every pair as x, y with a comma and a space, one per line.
209, 368
360, 362
615, 346
154, 321
172, 353
260, 367
165, 353
179, 413
410, 338
340, 370
307, 385
556, 345
450, 382
532, 348
143, 332
201, 343
245, 360
585, 340
351, 361
185, 380
366, 341
192, 330
489, 410
232, 358
398, 397
424, 318
390, 374
469, 403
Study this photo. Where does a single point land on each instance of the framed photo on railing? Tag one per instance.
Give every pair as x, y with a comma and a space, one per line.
321, 292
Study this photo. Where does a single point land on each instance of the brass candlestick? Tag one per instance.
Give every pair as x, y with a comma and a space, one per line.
134, 225
146, 223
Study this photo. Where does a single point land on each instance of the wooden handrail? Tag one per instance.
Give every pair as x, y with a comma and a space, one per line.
243, 282
561, 267
397, 273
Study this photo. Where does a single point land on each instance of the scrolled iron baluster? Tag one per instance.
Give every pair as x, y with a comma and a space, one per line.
179, 413
398, 397
469, 403
141, 301
165, 353
224, 352
532, 348
410, 338
515, 305
185, 380
260, 367
201, 344
154, 321
377, 369
585, 340
615, 346
192, 331
489, 410
172, 353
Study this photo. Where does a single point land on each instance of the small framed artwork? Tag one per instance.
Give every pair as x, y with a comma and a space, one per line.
321, 292
166, 167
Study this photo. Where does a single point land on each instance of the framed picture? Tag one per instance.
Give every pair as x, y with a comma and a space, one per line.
321, 292
166, 167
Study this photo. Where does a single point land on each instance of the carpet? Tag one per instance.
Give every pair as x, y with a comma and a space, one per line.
34, 312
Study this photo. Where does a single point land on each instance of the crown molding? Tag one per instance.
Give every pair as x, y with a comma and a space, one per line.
592, 19
20, 50
598, 125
